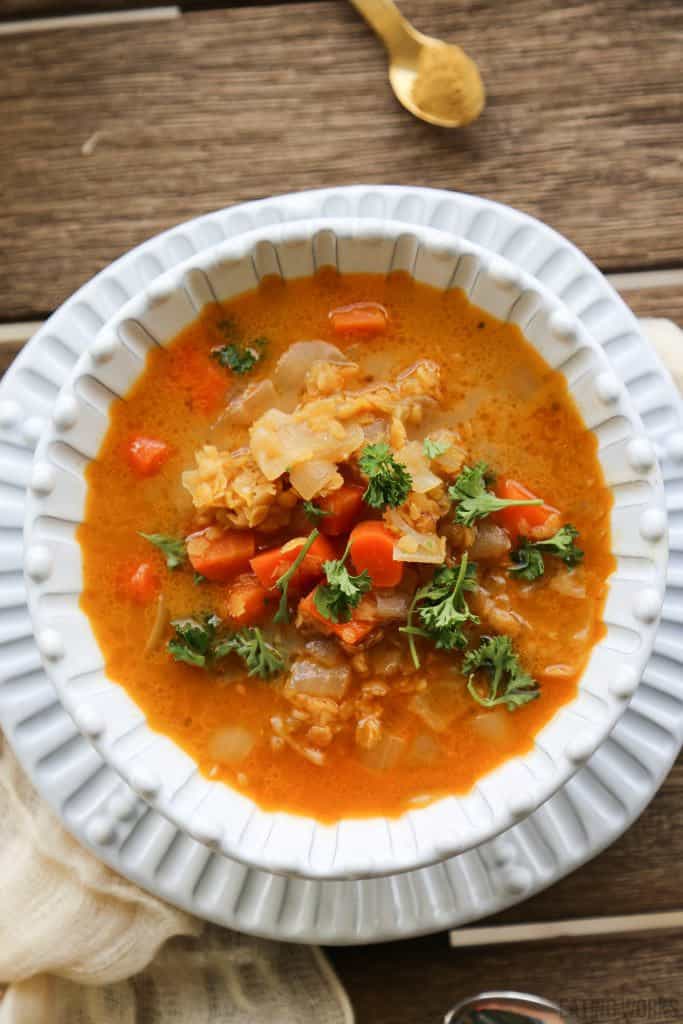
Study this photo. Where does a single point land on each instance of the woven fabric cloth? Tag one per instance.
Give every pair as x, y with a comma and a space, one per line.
81, 945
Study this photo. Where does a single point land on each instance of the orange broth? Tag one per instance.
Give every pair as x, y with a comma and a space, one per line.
524, 423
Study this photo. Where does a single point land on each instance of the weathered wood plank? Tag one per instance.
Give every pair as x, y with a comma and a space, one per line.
666, 302
637, 981
220, 106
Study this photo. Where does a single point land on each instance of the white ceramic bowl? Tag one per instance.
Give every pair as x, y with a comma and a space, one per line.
162, 773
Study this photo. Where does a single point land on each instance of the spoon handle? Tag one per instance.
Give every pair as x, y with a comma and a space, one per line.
385, 19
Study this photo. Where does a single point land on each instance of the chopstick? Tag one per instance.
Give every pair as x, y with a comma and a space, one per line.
580, 928
97, 20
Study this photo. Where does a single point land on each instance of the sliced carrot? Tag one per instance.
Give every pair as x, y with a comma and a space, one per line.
520, 519
143, 585
220, 557
146, 455
246, 602
366, 318
342, 507
270, 565
372, 548
351, 632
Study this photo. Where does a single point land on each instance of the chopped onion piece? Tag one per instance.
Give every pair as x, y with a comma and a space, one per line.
316, 680
414, 459
310, 478
161, 620
569, 584
293, 365
494, 726
231, 744
385, 754
325, 651
391, 604
491, 542
252, 403
412, 546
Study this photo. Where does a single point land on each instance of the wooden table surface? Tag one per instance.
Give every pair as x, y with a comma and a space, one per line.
112, 129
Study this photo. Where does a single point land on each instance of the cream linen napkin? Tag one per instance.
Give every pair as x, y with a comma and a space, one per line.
81, 945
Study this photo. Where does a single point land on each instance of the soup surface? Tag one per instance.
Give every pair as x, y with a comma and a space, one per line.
353, 575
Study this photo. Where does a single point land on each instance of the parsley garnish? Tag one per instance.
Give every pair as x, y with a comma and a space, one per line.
336, 599
433, 449
240, 359
173, 549
528, 558
197, 642
443, 609
260, 657
314, 512
198, 579
389, 482
474, 500
193, 639
282, 584
508, 682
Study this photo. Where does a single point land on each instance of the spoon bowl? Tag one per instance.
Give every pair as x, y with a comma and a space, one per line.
435, 81
507, 1008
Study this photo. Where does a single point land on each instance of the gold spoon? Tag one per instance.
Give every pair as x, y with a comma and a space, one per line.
435, 81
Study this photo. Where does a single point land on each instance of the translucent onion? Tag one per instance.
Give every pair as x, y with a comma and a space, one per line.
491, 542
414, 459
161, 620
428, 548
317, 680
293, 365
391, 604
231, 745
252, 403
385, 754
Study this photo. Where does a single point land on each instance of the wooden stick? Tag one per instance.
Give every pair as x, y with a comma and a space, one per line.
72, 21
580, 928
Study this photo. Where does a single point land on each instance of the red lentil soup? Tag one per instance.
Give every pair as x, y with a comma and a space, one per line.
347, 543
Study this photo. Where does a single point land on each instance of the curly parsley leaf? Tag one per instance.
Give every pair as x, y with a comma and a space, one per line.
198, 642
314, 512
282, 584
193, 639
433, 449
529, 563
474, 500
172, 548
442, 609
389, 482
239, 358
260, 657
508, 683
337, 598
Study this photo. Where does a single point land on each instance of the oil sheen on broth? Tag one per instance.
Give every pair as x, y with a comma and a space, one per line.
507, 408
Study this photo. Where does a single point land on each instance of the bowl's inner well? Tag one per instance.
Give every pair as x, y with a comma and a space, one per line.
364, 718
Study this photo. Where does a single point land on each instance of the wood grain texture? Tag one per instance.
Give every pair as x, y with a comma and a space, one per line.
220, 106
666, 302
617, 982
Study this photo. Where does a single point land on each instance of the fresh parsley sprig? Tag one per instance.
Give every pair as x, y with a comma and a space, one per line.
508, 682
442, 609
314, 512
389, 482
433, 449
193, 640
172, 547
474, 500
240, 358
198, 642
282, 584
337, 598
528, 558
260, 657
